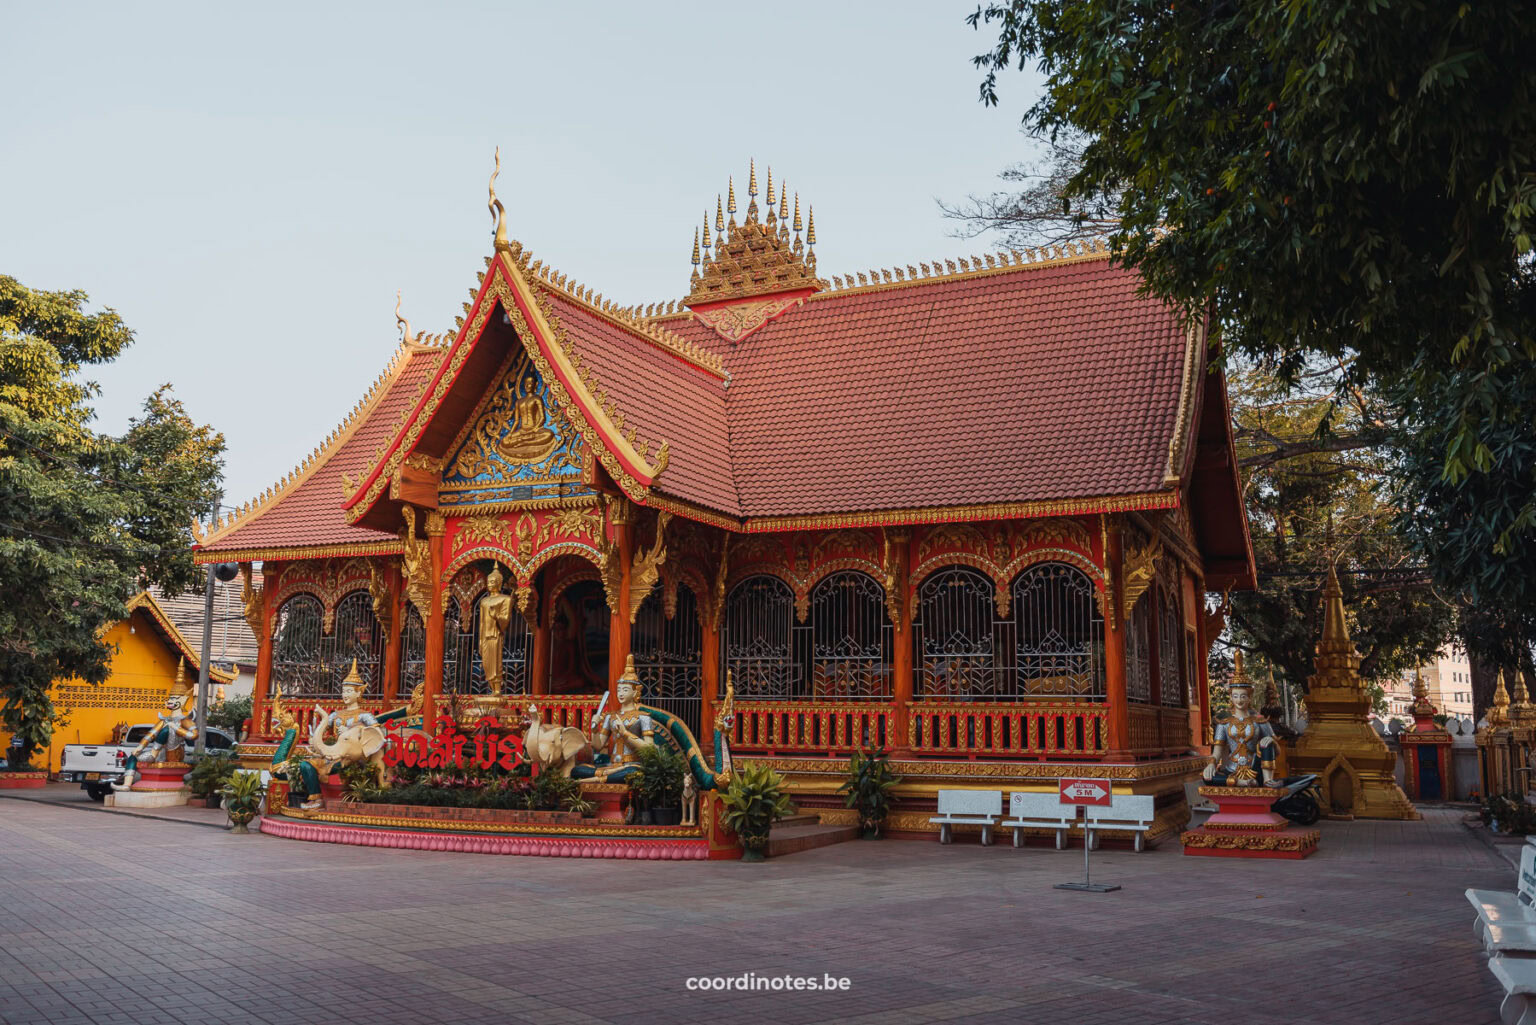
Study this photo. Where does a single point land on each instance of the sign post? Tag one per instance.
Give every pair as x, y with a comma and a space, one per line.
1075, 792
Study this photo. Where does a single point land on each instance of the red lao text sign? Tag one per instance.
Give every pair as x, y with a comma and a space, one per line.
1086, 791
447, 748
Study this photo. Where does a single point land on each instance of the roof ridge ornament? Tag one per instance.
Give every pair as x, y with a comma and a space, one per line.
759, 257
498, 212
407, 336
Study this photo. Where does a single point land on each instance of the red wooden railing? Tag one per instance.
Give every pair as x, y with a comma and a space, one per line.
1010, 731
819, 727
565, 709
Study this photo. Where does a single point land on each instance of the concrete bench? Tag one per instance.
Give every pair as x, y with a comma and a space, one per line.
968, 808
1038, 811
1132, 812
1518, 977
1196, 802
1499, 907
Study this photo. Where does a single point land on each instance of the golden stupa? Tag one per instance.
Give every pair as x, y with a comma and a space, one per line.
1353, 764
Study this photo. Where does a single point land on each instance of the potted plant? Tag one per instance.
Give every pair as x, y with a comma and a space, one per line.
868, 789
208, 776
242, 799
660, 784
754, 801
293, 771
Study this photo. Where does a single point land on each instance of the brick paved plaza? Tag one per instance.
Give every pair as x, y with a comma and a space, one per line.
106, 918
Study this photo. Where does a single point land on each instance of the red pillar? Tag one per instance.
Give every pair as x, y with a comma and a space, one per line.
1114, 658
434, 624
623, 515
901, 640
544, 611
261, 692
393, 627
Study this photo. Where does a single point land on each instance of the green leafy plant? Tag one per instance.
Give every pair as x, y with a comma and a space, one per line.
868, 789
242, 799
210, 773
230, 715
659, 783
359, 785
754, 801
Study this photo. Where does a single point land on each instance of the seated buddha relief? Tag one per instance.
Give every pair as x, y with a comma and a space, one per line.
528, 438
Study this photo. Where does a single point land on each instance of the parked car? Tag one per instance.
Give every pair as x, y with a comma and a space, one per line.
97, 766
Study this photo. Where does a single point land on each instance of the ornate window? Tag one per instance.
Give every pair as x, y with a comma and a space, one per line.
308, 662
954, 634
1169, 633
463, 671
1058, 633
759, 639
296, 665
669, 655
413, 652
356, 634
1138, 652
851, 638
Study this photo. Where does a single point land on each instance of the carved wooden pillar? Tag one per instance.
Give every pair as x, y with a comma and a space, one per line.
709, 671
1114, 654
898, 583
622, 515
538, 671
263, 627
1155, 662
433, 670
394, 627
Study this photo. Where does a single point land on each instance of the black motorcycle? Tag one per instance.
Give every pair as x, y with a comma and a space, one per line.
1300, 800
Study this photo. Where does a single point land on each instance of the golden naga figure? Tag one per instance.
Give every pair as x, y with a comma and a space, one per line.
527, 439
495, 614
1244, 752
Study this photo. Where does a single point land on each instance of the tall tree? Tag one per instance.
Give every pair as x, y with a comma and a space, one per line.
1315, 488
1350, 180
86, 519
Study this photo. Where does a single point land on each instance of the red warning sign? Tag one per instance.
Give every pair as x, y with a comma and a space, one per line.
1086, 791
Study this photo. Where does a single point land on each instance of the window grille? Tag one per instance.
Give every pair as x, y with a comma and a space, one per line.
851, 639
758, 644
1059, 646
296, 663
413, 652
309, 663
1170, 670
955, 633
669, 656
463, 671
1138, 656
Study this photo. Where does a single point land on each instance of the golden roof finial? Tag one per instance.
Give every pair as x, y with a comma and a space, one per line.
1498, 715
810, 226
730, 200
751, 177
706, 232
696, 241
784, 205
406, 334
498, 212
719, 214
1335, 626
797, 212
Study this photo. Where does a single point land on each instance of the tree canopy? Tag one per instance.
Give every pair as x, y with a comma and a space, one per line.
86, 519
1345, 181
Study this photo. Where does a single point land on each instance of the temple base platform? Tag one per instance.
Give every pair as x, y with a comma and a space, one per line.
136, 798
1244, 827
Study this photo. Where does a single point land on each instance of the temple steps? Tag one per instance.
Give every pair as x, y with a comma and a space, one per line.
804, 833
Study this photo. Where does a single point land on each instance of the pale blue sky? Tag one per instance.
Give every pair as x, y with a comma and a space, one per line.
249, 188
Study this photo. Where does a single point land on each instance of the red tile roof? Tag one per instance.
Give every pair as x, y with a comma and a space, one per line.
305, 510
1049, 382
1035, 383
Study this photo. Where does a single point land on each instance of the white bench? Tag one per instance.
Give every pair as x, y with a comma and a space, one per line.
968, 808
1132, 812
1196, 801
1518, 976
1499, 907
1038, 811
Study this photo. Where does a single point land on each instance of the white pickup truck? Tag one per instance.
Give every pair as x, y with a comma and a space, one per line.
97, 766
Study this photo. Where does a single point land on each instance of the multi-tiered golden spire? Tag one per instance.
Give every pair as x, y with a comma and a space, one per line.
754, 258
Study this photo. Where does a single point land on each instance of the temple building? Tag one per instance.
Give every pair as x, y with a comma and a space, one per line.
965, 510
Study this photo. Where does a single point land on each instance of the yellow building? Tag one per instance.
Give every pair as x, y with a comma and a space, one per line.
147, 649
